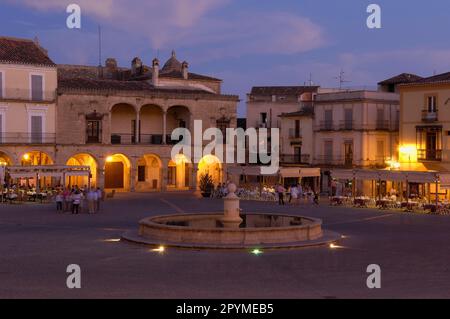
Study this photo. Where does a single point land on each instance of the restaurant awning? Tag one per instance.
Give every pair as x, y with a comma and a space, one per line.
386, 175
247, 170
296, 172
47, 171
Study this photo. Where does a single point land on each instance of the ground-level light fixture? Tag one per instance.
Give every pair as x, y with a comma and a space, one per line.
112, 240
159, 249
256, 251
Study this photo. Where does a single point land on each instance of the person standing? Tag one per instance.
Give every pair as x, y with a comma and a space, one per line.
76, 201
293, 194
280, 191
59, 202
91, 199
99, 198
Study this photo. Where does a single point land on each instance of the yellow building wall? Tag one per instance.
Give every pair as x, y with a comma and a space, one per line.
412, 103
16, 105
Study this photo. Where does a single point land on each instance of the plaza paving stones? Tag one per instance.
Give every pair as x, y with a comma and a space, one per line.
37, 245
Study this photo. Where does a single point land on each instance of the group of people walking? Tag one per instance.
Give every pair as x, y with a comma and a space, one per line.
295, 193
78, 200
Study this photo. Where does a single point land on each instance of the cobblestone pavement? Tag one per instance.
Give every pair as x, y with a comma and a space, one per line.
37, 244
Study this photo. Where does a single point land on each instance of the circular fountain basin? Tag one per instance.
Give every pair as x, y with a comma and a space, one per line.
208, 231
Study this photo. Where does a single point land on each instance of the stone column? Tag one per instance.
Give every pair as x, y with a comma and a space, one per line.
133, 168
100, 176
164, 127
136, 129
163, 172
193, 180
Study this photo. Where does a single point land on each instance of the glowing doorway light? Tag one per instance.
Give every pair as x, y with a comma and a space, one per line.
26, 157
109, 159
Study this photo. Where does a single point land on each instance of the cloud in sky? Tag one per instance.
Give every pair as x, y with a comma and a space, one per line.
186, 23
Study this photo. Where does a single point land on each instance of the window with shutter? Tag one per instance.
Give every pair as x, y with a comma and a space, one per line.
328, 150
328, 119
36, 129
37, 89
348, 125
380, 119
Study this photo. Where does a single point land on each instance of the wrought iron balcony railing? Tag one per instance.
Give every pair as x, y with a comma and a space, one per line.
429, 155
27, 138
149, 139
354, 126
295, 159
10, 94
429, 117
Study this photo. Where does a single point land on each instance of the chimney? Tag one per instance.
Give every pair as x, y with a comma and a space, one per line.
155, 72
184, 70
136, 67
111, 68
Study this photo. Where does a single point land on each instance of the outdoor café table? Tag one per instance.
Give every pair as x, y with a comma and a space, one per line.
383, 203
432, 207
11, 197
409, 206
361, 201
337, 200
42, 196
32, 196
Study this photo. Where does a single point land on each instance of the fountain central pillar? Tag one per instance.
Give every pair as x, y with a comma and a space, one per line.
231, 218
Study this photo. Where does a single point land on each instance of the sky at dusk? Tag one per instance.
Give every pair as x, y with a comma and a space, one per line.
248, 42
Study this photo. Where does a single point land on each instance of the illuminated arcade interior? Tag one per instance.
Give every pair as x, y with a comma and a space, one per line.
82, 160
211, 165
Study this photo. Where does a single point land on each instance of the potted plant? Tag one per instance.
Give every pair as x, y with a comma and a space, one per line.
206, 185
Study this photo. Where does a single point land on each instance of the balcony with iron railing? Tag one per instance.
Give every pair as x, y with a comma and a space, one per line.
348, 125
27, 138
27, 95
144, 139
295, 159
431, 155
332, 160
429, 116
349, 161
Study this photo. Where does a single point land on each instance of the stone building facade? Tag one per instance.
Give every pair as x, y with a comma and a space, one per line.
118, 121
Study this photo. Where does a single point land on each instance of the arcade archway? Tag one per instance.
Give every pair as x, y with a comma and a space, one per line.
178, 173
148, 173
117, 172
211, 165
82, 160
5, 159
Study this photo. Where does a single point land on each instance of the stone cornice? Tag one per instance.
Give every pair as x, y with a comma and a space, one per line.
149, 94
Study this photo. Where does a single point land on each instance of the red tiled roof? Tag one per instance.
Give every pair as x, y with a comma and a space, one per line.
114, 85
282, 90
23, 51
191, 76
401, 79
443, 78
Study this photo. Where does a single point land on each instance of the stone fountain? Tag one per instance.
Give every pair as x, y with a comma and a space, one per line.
231, 229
